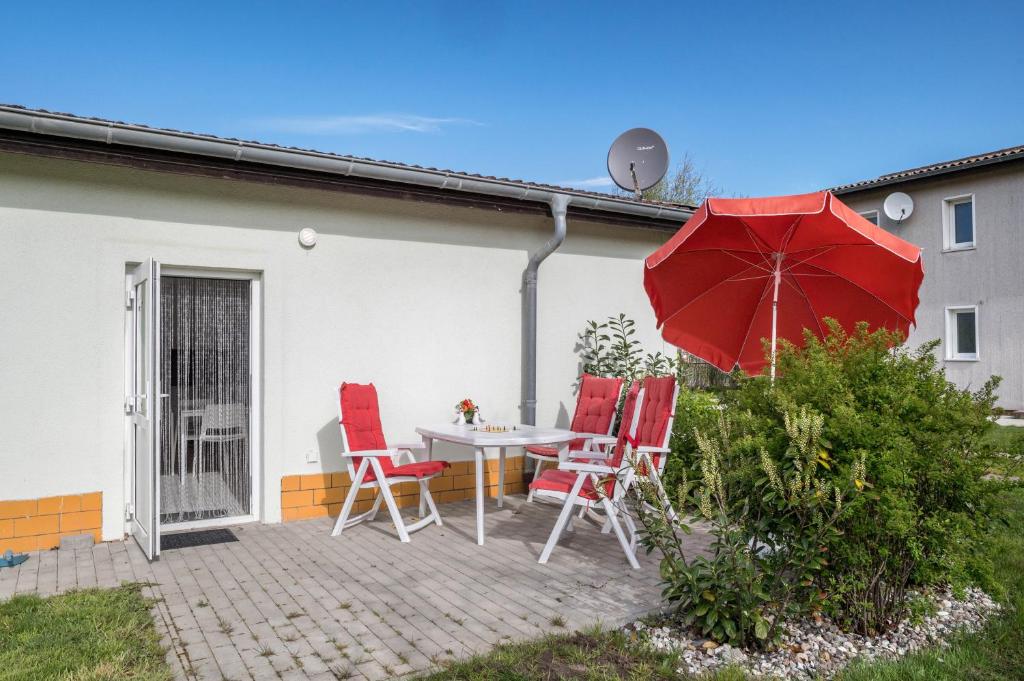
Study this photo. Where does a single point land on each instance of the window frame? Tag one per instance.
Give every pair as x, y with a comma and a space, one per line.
949, 205
865, 213
952, 352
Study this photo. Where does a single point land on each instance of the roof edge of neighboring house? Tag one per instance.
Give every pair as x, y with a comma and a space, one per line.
943, 168
45, 132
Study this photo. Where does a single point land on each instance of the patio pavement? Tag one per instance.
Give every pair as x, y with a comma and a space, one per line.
290, 602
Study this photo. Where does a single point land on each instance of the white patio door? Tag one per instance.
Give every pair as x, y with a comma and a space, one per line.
143, 405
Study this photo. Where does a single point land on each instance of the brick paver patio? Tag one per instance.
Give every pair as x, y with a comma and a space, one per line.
289, 601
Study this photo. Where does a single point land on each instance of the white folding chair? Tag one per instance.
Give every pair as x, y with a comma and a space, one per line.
373, 465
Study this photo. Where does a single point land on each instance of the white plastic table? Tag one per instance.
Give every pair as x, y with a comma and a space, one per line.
522, 436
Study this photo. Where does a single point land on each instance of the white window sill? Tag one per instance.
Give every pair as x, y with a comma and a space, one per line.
954, 249
963, 359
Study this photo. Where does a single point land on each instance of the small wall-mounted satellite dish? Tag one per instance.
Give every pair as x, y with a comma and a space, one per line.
898, 206
637, 160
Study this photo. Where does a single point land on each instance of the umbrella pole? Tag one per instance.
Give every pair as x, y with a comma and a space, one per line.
775, 308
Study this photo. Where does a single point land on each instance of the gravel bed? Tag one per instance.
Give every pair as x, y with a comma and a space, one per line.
817, 648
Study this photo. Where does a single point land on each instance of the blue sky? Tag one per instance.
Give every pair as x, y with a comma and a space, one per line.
767, 98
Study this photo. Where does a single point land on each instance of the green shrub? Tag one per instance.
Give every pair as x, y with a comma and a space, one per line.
696, 411
761, 570
920, 520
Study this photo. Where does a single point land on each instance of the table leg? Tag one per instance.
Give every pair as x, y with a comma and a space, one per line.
501, 477
428, 443
478, 452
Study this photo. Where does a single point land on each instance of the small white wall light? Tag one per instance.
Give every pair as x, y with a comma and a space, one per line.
307, 237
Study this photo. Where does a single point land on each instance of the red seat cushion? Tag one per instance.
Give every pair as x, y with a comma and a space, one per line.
360, 418
543, 450
554, 480
422, 469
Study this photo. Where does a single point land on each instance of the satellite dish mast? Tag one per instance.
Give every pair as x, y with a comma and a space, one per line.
637, 160
898, 206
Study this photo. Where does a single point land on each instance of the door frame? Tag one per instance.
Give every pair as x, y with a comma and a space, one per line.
257, 512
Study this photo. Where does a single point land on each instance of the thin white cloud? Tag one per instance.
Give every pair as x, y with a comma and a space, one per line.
589, 183
354, 125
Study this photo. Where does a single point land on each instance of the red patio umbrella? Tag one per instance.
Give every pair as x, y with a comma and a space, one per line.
745, 269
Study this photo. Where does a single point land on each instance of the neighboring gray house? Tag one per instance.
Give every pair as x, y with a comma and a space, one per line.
968, 218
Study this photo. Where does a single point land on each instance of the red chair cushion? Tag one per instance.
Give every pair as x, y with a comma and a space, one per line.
595, 407
655, 414
542, 450
360, 417
554, 480
628, 410
421, 469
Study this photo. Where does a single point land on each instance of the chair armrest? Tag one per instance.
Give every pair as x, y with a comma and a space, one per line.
650, 449
585, 467
601, 439
588, 454
371, 452
409, 445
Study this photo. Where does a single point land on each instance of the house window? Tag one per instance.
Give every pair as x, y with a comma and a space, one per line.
959, 222
962, 333
871, 216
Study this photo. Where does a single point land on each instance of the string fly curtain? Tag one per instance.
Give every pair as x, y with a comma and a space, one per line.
205, 469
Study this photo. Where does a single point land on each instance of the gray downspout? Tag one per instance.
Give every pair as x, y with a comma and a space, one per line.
559, 204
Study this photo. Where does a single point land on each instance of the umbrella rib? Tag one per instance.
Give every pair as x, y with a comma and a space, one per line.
704, 293
788, 236
759, 265
823, 251
839, 276
754, 239
750, 324
814, 313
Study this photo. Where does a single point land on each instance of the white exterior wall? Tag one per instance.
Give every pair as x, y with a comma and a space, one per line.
422, 299
988, 276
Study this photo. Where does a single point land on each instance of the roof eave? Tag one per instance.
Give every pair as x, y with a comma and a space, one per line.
256, 154
925, 174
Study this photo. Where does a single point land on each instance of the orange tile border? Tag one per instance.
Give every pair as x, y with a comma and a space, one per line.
39, 524
322, 494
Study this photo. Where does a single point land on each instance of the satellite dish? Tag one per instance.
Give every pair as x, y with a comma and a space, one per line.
637, 160
898, 206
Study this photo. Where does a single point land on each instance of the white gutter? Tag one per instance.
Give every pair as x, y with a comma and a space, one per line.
110, 132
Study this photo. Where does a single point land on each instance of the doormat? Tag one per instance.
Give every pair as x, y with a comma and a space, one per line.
184, 540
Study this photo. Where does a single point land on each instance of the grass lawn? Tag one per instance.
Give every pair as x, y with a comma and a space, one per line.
88, 635
1008, 440
995, 653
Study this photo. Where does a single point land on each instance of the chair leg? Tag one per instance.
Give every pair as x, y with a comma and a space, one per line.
376, 506
563, 518
662, 494
350, 499
536, 472
623, 542
426, 496
389, 499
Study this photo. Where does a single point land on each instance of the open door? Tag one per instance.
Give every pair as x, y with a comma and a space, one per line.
143, 405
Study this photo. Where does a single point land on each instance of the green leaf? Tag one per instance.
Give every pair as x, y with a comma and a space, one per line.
761, 628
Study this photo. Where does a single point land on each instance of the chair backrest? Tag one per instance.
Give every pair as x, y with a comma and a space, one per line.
651, 422
359, 420
223, 423
654, 424
595, 407
630, 407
